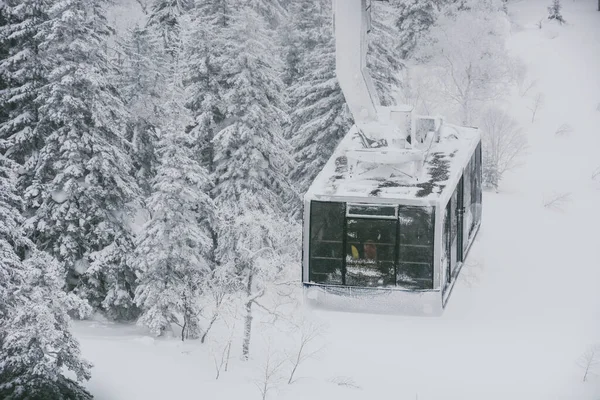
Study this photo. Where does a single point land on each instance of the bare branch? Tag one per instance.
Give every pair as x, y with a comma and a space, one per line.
564, 130
345, 381
558, 200
309, 333
270, 374
589, 360
143, 5
537, 103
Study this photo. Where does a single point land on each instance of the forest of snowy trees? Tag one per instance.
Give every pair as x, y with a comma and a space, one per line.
156, 173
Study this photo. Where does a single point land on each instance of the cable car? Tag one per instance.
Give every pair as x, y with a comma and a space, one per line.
390, 219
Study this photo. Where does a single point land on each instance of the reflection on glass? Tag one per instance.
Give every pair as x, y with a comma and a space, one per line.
326, 242
375, 210
415, 249
370, 248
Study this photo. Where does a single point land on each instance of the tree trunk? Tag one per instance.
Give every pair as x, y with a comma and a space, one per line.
248, 321
212, 321
598, 5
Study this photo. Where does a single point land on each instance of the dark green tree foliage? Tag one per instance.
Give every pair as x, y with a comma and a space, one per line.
35, 342
82, 185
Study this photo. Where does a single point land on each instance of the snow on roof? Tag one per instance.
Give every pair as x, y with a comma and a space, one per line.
443, 166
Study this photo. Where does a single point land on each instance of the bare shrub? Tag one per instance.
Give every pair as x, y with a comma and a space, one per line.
589, 360
309, 333
564, 130
221, 355
345, 381
596, 174
270, 376
557, 201
503, 144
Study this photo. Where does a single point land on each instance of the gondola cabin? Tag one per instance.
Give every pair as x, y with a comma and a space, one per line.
387, 229
389, 221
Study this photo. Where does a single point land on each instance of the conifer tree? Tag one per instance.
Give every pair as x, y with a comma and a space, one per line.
415, 17
306, 21
22, 74
251, 156
82, 186
35, 342
202, 74
554, 12
384, 59
164, 19
174, 250
140, 85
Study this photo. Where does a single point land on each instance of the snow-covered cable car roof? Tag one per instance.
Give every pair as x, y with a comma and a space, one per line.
443, 165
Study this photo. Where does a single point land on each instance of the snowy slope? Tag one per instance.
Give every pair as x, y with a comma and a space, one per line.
527, 305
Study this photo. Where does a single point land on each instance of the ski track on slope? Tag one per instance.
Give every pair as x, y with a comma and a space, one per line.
527, 303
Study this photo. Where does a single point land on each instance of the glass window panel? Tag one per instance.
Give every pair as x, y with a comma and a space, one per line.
446, 256
415, 275
415, 250
476, 186
326, 246
362, 209
467, 202
416, 254
370, 252
416, 225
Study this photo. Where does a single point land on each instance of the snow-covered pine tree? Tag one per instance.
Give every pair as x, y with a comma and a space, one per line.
319, 118
35, 341
272, 11
251, 155
164, 19
22, 74
3, 54
82, 187
140, 85
174, 250
554, 12
414, 18
301, 35
202, 72
384, 59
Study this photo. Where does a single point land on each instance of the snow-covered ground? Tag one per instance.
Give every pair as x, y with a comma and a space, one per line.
525, 310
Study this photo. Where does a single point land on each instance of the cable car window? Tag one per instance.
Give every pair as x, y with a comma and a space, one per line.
371, 210
476, 186
370, 252
415, 250
326, 259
